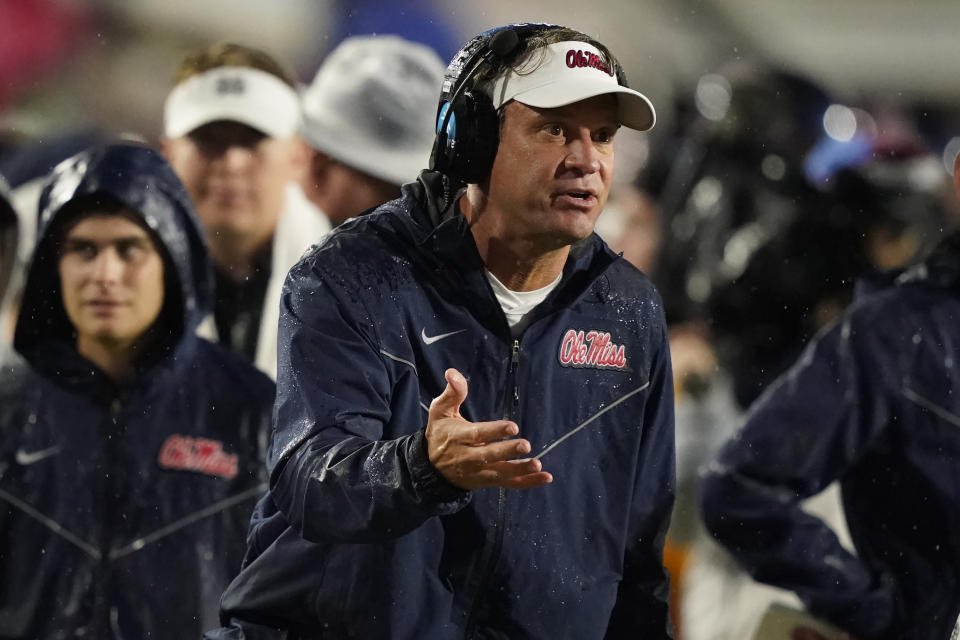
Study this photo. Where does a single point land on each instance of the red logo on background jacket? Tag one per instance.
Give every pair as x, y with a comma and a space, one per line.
592, 349
197, 454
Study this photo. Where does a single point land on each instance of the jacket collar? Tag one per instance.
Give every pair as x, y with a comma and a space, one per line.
428, 215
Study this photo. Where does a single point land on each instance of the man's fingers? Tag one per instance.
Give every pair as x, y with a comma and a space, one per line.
515, 474
447, 404
528, 481
481, 433
493, 478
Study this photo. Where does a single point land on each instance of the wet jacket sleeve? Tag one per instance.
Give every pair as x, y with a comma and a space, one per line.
808, 429
333, 475
642, 606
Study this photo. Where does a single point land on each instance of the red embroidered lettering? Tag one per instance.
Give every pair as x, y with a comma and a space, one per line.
197, 454
591, 349
577, 58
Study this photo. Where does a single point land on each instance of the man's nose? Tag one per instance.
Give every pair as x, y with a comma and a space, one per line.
237, 157
582, 155
107, 267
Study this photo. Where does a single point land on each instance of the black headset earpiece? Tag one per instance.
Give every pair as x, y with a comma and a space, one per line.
468, 128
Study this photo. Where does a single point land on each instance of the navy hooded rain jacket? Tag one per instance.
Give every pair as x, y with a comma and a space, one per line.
874, 402
124, 507
360, 536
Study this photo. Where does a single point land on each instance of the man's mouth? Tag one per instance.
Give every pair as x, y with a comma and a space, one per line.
579, 197
103, 304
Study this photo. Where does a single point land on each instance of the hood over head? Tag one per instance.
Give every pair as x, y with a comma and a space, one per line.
140, 179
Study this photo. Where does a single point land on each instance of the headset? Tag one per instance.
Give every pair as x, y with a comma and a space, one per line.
468, 127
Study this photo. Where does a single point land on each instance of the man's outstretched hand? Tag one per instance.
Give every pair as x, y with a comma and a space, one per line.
473, 455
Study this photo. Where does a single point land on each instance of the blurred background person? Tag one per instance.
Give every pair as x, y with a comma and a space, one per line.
767, 221
230, 126
9, 245
872, 404
368, 122
131, 450
728, 181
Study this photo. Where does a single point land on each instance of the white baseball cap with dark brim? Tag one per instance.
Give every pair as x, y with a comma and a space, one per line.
566, 72
241, 94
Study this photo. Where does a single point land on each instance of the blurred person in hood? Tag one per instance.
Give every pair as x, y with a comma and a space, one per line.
230, 133
368, 122
131, 449
400, 505
871, 403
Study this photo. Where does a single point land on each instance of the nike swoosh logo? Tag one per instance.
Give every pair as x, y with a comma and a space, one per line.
25, 458
431, 339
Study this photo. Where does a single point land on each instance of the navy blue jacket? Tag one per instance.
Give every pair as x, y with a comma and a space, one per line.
124, 507
359, 535
874, 402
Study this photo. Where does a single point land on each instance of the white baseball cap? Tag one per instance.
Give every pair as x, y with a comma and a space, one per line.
372, 105
566, 72
242, 94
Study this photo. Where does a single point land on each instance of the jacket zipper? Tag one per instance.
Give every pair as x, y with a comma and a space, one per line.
104, 625
511, 401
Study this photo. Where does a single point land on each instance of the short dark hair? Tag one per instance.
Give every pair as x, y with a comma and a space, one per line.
229, 54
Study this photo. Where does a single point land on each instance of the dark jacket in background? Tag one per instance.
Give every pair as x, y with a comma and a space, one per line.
124, 508
361, 537
874, 402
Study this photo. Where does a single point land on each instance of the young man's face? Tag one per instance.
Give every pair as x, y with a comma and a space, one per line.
111, 278
553, 168
236, 177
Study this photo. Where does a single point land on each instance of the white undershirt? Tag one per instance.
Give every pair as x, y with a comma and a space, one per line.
517, 305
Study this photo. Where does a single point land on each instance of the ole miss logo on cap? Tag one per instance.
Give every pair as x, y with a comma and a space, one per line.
577, 58
591, 348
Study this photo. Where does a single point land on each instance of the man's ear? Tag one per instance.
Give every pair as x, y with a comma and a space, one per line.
312, 171
300, 154
307, 163
164, 144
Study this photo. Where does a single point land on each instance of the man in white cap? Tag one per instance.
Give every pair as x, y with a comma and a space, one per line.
368, 122
391, 516
230, 133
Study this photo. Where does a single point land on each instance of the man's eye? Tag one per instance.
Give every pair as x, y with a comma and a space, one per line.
129, 250
554, 129
603, 136
85, 251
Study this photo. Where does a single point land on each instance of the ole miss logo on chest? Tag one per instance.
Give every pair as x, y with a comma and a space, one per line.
591, 348
185, 453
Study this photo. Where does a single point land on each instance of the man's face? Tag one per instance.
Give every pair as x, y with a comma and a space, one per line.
552, 172
236, 177
111, 278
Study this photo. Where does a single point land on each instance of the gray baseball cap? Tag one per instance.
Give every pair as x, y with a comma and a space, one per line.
372, 106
